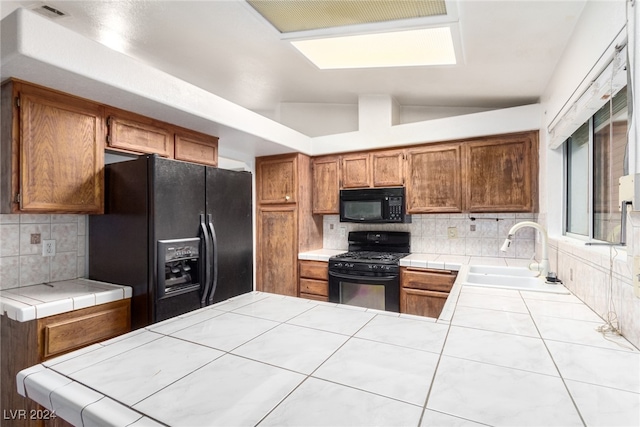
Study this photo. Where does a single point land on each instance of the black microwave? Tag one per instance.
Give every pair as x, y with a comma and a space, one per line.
373, 205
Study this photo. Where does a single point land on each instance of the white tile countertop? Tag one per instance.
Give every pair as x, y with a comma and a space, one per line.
319, 254
426, 260
37, 301
495, 357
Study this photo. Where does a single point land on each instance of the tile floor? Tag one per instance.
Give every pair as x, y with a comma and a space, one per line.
506, 358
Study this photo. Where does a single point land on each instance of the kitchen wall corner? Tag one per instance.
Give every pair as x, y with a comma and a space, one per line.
601, 277
22, 263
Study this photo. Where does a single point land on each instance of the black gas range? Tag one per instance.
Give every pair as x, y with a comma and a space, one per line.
369, 274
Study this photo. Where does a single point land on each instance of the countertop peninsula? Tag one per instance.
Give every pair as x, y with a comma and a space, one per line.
27, 303
495, 356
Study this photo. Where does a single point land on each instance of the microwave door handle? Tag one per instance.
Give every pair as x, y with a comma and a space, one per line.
205, 259
214, 260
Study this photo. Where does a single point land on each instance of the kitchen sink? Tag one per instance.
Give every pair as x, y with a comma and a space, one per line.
516, 278
502, 271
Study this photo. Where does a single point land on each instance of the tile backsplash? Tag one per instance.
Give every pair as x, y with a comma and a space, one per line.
452, 234
22, 263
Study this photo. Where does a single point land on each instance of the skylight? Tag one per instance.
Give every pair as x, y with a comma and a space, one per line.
421, 47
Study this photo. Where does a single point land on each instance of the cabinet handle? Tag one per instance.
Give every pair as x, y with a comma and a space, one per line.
287, 198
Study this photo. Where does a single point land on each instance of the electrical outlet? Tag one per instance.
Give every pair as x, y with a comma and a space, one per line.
472, 227
343, 231
48, 248
452, 232
636, 278
35, 239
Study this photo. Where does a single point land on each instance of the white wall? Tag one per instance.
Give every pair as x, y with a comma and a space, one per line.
600, 276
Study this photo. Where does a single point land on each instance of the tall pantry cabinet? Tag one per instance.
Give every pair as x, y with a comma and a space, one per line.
285, 224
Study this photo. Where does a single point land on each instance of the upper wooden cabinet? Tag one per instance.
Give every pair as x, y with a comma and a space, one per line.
434, 179
502, 173
375, 169
326, 185
196, 147
137, 134
52, 151
277, 179
489, 174
387, 168
133, 133
356, 170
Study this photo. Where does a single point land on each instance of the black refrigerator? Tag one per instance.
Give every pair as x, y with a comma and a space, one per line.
180, 234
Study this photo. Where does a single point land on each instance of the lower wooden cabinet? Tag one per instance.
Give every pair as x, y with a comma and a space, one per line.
70, 331
423, 292
277, 250
314, 280
25, 344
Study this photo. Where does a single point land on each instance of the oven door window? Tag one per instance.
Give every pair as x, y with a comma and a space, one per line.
362, 295
362, 210
380, 293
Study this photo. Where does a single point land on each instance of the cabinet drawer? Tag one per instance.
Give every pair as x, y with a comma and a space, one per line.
314, 297
314, 270
70, 331
422, 303
432, 280
316, 287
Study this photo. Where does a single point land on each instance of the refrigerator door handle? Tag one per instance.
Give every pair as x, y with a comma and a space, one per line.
214, 260
205, 275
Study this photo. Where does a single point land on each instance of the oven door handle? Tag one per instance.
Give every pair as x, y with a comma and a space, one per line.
364, 278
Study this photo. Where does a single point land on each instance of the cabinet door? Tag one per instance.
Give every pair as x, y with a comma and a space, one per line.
326, 185
502, 174
61, 153
434, 179
276, 180
422, 303
196, 148
276, 247
137, 134
388, 168
356, 171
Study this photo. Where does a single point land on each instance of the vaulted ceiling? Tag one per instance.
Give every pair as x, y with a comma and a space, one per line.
509, 50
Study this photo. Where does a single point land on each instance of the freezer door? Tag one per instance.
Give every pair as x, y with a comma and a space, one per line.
229, 201
177, 201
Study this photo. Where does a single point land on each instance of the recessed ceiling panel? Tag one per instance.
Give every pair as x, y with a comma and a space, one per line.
423, 47
292, 16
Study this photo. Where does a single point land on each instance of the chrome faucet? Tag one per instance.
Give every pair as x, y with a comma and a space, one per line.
542, 266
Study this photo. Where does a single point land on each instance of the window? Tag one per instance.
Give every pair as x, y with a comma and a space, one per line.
595, 160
